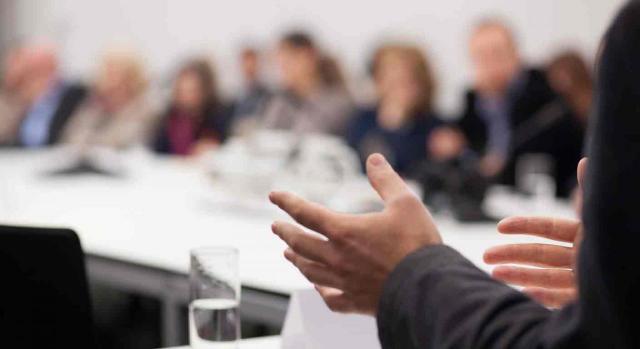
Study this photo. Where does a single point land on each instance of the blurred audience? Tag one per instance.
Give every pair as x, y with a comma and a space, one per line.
45, 99
116, 114
195, 119
314, 99
255, 94
399, 124
509, 112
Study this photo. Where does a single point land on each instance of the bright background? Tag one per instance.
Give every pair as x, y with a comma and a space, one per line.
167, 30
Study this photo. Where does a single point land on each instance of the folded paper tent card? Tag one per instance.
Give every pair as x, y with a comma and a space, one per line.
310, 324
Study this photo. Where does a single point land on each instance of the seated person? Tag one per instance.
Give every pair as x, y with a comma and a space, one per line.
255, 94
570, 77
13, 71
555, 285
509, 113
116, 115
195, 119
313, 100
558, 129
399, 125
47, 100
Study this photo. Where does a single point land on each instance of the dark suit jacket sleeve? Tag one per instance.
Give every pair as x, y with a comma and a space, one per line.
435, 298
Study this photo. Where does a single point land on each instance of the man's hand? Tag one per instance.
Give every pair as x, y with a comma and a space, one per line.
351, 259
553, 282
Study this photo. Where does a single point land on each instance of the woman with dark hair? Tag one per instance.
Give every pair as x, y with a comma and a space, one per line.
570, 77
314, 98
195, 120
399, 125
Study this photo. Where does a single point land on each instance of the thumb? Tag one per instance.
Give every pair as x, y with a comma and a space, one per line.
582, 170
386, 182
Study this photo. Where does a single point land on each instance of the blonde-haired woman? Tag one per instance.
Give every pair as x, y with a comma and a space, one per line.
116, 115
402, 119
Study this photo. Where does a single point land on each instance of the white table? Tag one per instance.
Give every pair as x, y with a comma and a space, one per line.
138, 231
254, 343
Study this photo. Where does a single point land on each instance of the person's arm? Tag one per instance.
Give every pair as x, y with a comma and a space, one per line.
436, 299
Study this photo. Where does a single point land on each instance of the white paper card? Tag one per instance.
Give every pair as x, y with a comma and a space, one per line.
311, 325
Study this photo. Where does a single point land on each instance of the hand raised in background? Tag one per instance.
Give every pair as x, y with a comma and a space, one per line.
351, 259
552, 283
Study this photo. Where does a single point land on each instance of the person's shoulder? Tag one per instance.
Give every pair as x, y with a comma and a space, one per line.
423, 122
335, 95
627, 18
535, 74
535, 77
366, 113
363, 117
624, 33
536, 87
434, 118
75, 90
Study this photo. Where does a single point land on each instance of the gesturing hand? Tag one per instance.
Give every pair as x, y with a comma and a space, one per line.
351, 259
554, 284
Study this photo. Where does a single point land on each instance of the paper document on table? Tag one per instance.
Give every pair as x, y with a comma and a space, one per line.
311, 325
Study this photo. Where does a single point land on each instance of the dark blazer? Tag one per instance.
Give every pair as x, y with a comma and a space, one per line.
561, 139
523, 103
555, 131
71, 99
213, 125
405, 148
436, 298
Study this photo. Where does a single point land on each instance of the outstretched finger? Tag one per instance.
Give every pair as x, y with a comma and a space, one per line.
552, 298
384, 179
314, 272
582, 170
313, 216
530, 277
303, 243
538, 255
551, 228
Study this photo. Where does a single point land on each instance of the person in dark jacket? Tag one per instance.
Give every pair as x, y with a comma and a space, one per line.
393, 265
48, 101
509, 113
196, 118
399, 125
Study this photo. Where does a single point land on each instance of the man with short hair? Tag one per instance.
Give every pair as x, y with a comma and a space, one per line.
49, 100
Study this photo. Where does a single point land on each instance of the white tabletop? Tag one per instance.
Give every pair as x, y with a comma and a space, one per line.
255, 343
164, 208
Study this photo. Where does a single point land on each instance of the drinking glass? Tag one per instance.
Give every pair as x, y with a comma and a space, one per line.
535, 177
214, 318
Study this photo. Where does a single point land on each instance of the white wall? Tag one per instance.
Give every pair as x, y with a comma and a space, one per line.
166, 30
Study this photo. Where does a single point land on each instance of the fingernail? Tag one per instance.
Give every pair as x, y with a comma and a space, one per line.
377, 160
288, 253
512, 221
